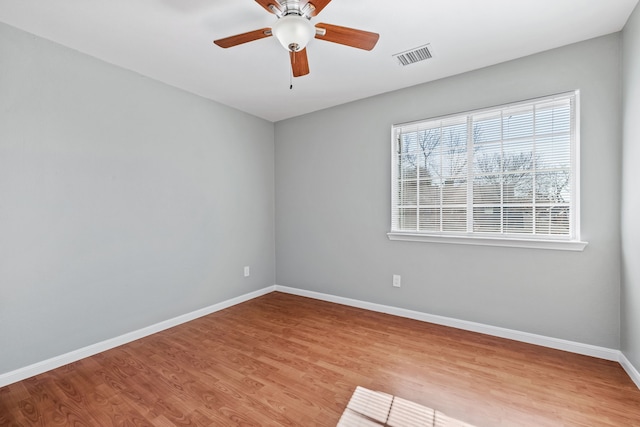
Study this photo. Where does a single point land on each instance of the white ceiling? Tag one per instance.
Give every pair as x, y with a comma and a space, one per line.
171, 41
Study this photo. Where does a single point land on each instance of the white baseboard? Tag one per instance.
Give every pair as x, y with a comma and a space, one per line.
630, 369
73, 356
541, 340
570, 346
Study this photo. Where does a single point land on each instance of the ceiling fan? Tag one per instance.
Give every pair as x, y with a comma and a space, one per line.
294, 30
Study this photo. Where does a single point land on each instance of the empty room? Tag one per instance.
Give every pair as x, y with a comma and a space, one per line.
329, 212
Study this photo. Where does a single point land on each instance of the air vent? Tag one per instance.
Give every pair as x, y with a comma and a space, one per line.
412, 56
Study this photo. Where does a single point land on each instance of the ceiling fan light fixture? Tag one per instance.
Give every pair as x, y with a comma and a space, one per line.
293, 32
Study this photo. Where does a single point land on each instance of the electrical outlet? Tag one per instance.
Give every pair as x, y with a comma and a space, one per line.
247, 271
396, 281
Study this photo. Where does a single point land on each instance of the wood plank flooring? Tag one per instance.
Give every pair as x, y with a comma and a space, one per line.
283, 360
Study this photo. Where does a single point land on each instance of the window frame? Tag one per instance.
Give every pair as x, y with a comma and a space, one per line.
561, 242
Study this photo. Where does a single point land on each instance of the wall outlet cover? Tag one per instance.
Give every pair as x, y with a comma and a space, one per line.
397, 281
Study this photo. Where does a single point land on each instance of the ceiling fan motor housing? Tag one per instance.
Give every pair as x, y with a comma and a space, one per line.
292, 7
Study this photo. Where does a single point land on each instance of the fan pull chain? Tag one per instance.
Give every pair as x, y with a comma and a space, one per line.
291, 72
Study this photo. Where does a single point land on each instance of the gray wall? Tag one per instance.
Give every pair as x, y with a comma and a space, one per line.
123, 201
630, 317
333, 205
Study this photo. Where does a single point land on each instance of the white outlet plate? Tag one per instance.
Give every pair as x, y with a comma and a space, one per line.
396, 281
247, 271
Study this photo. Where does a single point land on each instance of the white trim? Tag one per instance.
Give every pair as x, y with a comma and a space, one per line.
575, 166
562, 245
570, 346
630, 369
75, 355
541, 340
491, 108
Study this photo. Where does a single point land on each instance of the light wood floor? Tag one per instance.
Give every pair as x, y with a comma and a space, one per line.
283, 360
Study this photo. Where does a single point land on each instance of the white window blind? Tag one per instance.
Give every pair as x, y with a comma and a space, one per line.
509, 172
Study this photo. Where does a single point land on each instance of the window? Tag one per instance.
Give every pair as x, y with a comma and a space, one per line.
500, 176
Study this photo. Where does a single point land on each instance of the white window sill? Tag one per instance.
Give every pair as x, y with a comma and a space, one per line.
560, 245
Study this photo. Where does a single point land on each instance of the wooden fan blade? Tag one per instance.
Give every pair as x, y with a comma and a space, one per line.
299, 63
317, 4
243, 38
348, 36
267, 3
